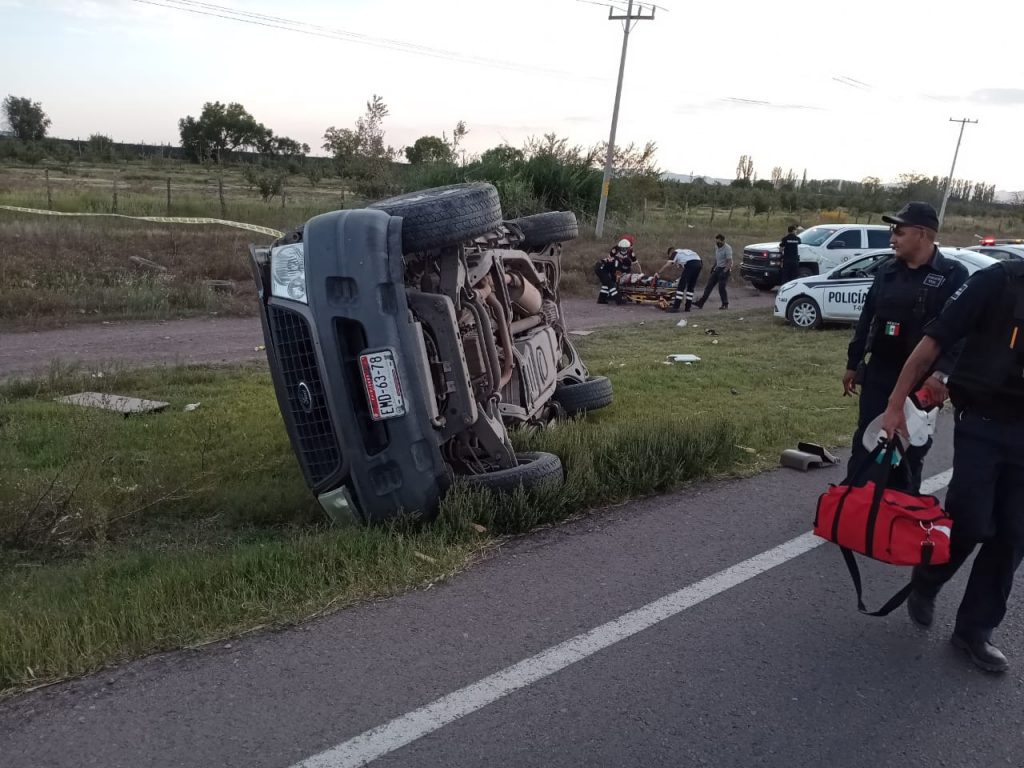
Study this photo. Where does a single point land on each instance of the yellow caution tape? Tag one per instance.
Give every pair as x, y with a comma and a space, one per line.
158, 219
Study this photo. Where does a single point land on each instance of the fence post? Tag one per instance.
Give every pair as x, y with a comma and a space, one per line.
49, 192
220, 194
283, 194
113, 208
168, 195
643, 217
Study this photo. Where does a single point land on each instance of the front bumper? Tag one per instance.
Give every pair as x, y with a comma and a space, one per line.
357, 302
761, 273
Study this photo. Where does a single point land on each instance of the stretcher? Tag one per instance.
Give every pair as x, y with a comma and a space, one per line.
647, 289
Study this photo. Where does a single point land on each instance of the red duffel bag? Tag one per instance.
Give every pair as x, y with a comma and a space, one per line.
883, 524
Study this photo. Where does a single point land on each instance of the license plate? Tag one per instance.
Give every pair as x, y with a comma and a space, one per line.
383, 389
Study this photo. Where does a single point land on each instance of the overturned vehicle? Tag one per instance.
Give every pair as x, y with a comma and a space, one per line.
405, 339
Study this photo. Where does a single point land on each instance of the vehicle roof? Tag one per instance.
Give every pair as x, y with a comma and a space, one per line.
965, 255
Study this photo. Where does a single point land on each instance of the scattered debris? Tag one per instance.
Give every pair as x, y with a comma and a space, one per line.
580, 333
260, 348
425, 558
119, 403
681, 323
733, 390
191, 407
682, 359
711, 332
478, 528
147, 264
747, 449
714, 341
807, 455
220, 285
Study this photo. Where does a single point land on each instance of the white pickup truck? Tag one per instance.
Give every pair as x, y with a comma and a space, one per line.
821, 249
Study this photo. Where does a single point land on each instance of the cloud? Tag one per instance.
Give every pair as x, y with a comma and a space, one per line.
998, 96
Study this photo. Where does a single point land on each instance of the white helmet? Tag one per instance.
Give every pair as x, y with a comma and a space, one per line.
624, 243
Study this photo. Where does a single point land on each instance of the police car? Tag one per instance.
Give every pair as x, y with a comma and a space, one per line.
838, 295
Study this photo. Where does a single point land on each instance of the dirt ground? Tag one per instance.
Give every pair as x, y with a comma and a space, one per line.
221, 340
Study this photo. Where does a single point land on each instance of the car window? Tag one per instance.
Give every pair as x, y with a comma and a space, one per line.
878, 238
996, 253
848, 238
816, 235
865, 267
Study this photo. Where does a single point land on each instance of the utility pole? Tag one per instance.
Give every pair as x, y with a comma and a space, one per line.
949, 182
629, 20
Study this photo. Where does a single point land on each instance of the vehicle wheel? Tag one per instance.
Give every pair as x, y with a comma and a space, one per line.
804, 313
805, 272
535, 468
761, 285
543, 229
433, 218
590, 395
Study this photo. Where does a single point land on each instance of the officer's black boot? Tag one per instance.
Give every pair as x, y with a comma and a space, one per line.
602, 298
675, 306
686, 307
921, 608
982, 653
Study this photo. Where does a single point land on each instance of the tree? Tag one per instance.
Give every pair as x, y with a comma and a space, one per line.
429, 149
362, 154
745, 169
220, 129
25, 118
777, 177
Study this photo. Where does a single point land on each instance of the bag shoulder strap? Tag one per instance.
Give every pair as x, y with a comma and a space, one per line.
893, 602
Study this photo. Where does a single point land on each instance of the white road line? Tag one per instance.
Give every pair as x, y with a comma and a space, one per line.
406, 729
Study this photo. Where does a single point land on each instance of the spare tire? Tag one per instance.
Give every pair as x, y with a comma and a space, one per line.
440, 216
535, 468
542, 229
591, 395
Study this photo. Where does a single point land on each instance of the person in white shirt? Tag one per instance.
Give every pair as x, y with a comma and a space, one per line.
691, 265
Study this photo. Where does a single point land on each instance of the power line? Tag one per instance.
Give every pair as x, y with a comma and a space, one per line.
332, 33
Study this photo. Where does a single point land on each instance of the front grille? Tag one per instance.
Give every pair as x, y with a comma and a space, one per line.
296, 355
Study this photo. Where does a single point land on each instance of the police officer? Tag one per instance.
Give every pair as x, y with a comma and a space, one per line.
691, 265
789, 247
619, 259
906, 294
986, 495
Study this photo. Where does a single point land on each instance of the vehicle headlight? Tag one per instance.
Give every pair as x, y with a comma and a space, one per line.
288, 272
786, 288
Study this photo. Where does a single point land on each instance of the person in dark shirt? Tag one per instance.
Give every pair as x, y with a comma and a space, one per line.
789, 247
906, 294
986, 495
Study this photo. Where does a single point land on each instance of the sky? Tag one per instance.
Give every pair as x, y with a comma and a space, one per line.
841, 90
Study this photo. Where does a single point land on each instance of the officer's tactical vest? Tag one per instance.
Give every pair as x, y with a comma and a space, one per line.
990, 370
900, 316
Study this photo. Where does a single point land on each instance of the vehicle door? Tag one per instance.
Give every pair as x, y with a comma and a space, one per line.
846, 289
845, 244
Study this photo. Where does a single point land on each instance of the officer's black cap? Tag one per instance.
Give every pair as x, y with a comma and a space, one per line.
915, 214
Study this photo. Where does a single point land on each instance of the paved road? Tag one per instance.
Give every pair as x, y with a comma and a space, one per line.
226, 340
770, 665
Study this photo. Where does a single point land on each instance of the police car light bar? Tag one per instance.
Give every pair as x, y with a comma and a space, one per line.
1000, 240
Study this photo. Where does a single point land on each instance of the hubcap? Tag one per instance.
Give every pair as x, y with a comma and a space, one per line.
804, 314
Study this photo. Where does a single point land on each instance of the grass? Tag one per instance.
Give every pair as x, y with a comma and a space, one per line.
127, 536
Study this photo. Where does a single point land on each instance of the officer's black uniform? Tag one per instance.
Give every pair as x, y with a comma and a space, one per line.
900, 302
605, 271
608, 271
790, 247
986, 495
